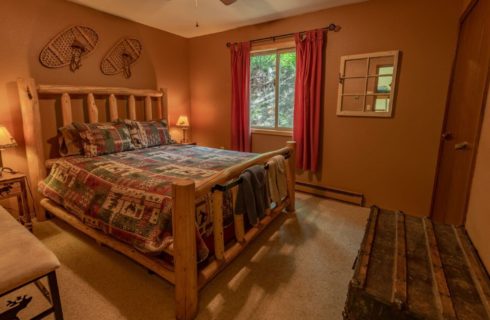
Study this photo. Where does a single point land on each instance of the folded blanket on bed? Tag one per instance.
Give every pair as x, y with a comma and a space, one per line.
128, 194
278, 185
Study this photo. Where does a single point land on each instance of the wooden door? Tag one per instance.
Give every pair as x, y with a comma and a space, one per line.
464, 112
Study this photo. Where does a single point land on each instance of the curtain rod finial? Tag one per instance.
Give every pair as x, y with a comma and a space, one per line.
333, 27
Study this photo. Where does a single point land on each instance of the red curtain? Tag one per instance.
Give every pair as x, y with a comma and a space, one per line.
307, 99
240, 79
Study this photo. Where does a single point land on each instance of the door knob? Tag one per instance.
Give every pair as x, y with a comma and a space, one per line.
461, 146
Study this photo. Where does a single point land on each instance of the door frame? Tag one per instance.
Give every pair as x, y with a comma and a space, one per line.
462, 19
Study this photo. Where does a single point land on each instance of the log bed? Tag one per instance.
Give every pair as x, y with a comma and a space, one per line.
184, 273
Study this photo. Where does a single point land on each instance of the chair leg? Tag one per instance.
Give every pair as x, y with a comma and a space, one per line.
55, 295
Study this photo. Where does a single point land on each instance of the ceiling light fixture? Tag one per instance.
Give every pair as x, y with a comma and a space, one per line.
225, 2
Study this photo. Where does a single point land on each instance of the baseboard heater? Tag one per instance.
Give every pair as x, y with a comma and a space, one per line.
331, 193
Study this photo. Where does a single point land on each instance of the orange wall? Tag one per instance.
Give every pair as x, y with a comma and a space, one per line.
392, 161
27, 25
478, 214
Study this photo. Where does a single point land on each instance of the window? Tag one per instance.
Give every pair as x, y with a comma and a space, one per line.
367, 84
272, 77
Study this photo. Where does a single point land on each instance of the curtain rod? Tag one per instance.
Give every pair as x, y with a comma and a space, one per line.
331, 27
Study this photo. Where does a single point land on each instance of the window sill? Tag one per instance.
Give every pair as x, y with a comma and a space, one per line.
372, 114
272, 132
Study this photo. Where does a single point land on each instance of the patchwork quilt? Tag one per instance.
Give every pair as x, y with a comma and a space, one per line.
128, 194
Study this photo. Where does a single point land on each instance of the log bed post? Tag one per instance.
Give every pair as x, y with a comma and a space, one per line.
132, 107
238, 219
159, 108
219, 242
164, 104
148, 109
66, 112
291, 176
31, 119
113, 115
185, 256
93, 112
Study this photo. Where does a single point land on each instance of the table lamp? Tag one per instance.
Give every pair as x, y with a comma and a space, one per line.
183, 122
6, 141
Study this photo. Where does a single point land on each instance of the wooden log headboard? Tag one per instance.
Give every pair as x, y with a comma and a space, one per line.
155, 105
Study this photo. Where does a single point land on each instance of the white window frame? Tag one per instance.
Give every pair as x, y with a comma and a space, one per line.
391, 95
276, 130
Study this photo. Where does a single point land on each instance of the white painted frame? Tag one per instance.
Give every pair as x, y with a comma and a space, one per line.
368, 56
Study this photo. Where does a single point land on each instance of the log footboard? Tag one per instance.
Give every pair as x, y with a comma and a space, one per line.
185, 256
187, 279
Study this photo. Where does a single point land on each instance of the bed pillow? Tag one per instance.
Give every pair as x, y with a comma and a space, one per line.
70, 143
148, 133
104, 138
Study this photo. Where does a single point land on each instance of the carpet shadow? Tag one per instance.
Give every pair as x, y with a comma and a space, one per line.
136, 294
264, 267
125, 284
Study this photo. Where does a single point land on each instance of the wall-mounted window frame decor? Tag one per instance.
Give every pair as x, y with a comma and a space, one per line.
367, 84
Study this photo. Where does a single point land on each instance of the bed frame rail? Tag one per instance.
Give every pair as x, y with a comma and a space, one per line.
234, 172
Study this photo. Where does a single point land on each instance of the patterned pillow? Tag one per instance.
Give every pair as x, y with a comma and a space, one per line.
149, 133
104, 138
69, 141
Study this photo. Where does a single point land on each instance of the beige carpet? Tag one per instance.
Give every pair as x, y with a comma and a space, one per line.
298, 269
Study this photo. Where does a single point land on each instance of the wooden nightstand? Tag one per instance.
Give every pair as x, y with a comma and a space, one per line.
15, 185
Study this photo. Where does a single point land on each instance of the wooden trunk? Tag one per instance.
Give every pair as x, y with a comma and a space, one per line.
411, 268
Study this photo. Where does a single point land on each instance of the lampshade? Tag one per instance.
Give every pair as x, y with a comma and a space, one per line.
6, 140
183, 121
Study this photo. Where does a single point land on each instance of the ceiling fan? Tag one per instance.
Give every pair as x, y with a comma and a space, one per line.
225, 2
228, 2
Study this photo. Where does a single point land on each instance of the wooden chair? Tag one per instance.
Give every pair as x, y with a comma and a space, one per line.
25, 260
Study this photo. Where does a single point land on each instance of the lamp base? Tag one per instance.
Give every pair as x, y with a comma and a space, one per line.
184, 131
6, 169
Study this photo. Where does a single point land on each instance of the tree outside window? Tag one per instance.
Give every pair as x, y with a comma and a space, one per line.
272, 77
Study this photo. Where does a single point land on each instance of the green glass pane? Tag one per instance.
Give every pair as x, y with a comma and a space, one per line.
385, 70
384, 84
262, 90
287, 77
381, 104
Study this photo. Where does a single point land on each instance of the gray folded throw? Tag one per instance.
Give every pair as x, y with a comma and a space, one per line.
253, 195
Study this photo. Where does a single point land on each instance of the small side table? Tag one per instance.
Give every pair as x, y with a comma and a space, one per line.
15, 185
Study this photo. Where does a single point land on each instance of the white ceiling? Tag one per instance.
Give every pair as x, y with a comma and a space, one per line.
179, 16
